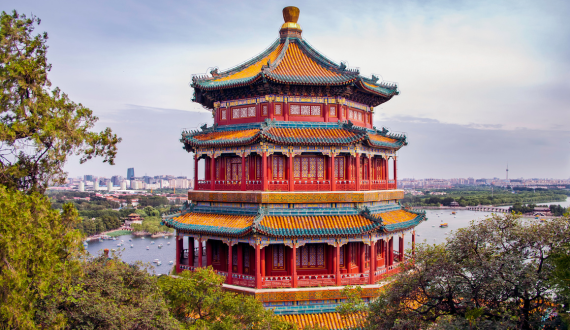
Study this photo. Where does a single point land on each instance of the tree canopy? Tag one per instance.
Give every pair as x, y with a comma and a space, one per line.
40, 127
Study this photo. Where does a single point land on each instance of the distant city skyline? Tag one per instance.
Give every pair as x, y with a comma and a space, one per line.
482, 83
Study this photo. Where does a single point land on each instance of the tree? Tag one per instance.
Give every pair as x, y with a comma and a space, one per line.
493, 274
39, 127
38, 255
198, 300
110, 295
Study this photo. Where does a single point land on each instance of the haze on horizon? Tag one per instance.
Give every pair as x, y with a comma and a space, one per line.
482, 83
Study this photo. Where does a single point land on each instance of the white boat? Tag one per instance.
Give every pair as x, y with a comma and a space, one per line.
170, 262
118, 244
142, 237
148, 248
168, 243
159, 263
131, 245
155, 261
160, 246
114, 238
152, 242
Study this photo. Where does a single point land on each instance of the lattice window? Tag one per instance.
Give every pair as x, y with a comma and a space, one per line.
315, 110
234, 255
264, 110
245, 252
305, 110
311, 256
320, 168
251, 112
341, 257
278, 109
304, 256
233, 169
353, 251
278, 256
246, 112
332, 111
247, 168
339, 168
350, 114
359, 116
224, 115
320, 255
296, 167
305, 167
277, 169
215, 252
236, 113
258, 168
309, 167
295, 109
218, 170
243, 112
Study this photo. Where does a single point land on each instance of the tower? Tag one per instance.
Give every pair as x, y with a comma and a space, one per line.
130, 173
300, 192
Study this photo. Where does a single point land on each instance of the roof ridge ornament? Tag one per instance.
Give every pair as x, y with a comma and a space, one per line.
290, 27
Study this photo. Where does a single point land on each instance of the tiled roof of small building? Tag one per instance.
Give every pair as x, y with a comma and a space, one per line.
294, 225
207, 223
291, 133
326, 225
334, 321
291, 60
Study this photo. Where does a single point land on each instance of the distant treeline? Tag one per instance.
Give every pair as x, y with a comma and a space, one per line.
478, 196
556, 210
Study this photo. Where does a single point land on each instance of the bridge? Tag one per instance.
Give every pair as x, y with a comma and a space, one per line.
479, 208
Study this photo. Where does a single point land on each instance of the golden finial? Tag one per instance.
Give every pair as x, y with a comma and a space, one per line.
290, 16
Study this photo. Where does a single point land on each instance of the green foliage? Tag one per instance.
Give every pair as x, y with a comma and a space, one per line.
494, 274
561, 277
353, 302
473, 196
39, 127
198, 301
110, 295
38, 250
153, 201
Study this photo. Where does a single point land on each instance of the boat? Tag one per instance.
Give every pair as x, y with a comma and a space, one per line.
159, 263
131, 245
114, 238
119, 245
152, 242
142, 237
453, 212
148, 248
444, 225
160, 246
170, 262
155, 261
168, 243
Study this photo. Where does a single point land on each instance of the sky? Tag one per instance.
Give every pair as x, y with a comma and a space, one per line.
483, 83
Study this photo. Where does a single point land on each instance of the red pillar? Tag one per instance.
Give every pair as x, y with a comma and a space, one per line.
208, 253
385, 252
212, 172
195, 171
200, 252
294, 266
286, 110
290, 177
230, 265
413, 242
386, 173
243, 169
369, 173
362, 247
332, 171
264, 178
395, 174
271, 110
401, 247
372, 262
337, 264
257, 267
179, 249
391, 251
263, 262
239, 259
340, 112
357, 171
326, 111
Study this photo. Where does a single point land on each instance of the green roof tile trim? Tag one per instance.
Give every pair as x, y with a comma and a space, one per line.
205, 229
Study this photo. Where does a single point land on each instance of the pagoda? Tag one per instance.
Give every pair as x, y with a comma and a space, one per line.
298, 196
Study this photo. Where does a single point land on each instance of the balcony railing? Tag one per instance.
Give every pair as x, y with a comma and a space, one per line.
316, 280
272, 282
298, 185
253, 185
279, 185
243, 280
312, 185
354, 279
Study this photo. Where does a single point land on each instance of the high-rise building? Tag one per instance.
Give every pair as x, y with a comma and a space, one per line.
88, 177
305, 199
130, 173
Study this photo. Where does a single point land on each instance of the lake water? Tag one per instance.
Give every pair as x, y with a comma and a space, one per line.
428, 231
139, 252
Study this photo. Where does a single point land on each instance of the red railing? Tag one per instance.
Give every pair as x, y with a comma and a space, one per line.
384, 272
278, 185
243, 280
253, 185
391, 184
364, 185
354, 279
316, 280
272, 282
312, 185
203, 185
227, 185
378, 185
345, 185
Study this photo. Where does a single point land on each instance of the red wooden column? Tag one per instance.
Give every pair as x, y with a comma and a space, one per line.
401, 247
286, 110
362, 247
369, 173
208, 253
290, 170
239, 259
243, 169
199, 252
179, 248
263, 262
326, 112
230, 264
395, 174
385, 168
340, 112
385, 252
391, 251
271, 109
357, 171
257, 266
372, 262
264, 178
332, 171
212, 172
294, 266
337, 264
413, 242
195, 171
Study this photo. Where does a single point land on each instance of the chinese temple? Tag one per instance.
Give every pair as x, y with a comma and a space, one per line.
298, 196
